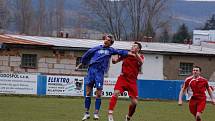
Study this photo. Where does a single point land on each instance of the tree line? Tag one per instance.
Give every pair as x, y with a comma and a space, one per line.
32, 19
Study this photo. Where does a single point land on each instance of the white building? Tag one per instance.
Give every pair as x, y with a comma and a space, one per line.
203, 36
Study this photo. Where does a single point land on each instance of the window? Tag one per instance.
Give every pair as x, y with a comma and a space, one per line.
29, 60
82, 67
185, 68
197, 38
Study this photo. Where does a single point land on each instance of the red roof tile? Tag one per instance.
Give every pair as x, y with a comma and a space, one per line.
10, 40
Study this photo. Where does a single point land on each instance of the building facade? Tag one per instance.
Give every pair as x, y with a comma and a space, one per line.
60, 56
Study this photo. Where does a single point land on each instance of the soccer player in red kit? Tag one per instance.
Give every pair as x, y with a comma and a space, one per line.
199, 85
127, 80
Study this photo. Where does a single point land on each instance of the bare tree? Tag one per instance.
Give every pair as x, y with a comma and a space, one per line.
59, 14
153, 13
50, 19
110, 14
23, 15
41, 18
136, 9
4, 14
131, 19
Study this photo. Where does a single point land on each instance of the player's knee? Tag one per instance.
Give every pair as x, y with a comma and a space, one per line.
116, 93
98, 96
134, 101
88, 93
98, 93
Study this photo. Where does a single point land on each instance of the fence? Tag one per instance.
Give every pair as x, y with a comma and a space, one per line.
11, 83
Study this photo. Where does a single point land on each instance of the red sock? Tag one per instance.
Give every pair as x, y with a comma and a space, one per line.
112, 102
131, 110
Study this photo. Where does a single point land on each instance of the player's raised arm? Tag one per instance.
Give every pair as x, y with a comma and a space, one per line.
78, 66
140, 59
88, 55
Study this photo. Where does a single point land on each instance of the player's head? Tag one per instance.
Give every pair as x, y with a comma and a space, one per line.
136, 47
196, 70
108, 40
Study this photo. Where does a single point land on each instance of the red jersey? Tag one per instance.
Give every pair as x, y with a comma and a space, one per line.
131, 67
198, 86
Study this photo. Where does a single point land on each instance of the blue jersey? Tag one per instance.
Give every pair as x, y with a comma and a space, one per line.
100, 56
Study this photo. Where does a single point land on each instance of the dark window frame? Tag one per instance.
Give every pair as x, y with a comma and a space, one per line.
29, 61
185, 68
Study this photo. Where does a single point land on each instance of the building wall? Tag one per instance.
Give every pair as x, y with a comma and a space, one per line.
172, 65
157, 67
152, 68
49, 61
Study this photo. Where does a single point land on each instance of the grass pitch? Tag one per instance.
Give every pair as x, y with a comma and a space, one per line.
25, 108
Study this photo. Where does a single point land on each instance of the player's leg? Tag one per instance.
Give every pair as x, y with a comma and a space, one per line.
99, 78
112, 104
200, 108
133, 94
132, 108
87, 102
198, 116
113, 101
193, 107
88, 98
118, 89
97, 103
89, 82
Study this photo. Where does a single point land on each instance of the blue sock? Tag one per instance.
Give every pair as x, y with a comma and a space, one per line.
87, 103
98, 103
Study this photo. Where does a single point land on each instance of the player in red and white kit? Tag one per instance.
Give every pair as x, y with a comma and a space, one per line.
199, 85
127, 80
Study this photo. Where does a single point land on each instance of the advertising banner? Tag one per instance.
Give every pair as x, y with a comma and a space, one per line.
65, 85
12, 83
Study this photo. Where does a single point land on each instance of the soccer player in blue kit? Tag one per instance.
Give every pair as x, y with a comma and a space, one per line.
98, 60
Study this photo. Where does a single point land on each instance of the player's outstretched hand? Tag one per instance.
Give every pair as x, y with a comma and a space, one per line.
78, 66
180, 102
213, 101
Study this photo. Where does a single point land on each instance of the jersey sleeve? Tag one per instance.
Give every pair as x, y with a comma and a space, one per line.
119, 52
88, 55
186, 83
207, 85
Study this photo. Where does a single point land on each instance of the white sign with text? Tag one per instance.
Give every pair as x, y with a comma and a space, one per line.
64, 85
12, 83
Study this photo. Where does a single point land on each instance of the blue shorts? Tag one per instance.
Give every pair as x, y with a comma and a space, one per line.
95, 77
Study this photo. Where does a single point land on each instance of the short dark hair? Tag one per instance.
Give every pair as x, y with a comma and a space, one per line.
109, 36
200, 69
139, 45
